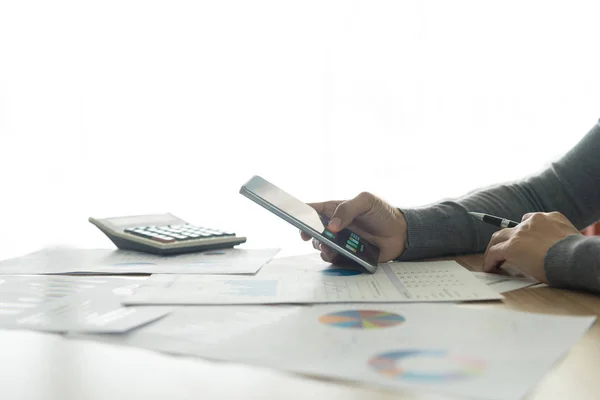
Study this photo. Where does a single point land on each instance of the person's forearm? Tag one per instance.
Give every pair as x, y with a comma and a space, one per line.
570, 186
574, 263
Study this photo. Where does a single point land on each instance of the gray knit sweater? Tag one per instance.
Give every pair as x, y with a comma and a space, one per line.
570, 186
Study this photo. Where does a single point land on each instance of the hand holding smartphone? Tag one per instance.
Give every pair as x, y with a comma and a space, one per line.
305, 218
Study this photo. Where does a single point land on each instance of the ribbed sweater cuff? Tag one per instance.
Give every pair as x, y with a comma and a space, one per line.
442, 229
574, 263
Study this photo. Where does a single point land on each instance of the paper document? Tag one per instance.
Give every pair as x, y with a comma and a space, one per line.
199, 328
103, 261
483, 353
303, 280
21, 293
504, 283
84, 312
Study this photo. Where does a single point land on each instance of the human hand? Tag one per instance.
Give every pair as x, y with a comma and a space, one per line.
525, 246
369, 217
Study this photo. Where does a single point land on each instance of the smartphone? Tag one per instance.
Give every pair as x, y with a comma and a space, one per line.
305, 218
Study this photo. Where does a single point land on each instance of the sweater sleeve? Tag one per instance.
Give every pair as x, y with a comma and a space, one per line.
574, 263
570, 186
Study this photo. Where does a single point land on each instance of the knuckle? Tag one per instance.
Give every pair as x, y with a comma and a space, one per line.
493, 251
365, 196
343, 208
513, 244
536, 218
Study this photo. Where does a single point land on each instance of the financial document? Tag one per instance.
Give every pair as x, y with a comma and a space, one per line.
25, 292
474, 353
64, 260
84, 312
304, 280
504, 283
478, 353
56, 303
201, 328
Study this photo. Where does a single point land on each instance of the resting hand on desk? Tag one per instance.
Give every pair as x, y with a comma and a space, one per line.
526, 245
368, 216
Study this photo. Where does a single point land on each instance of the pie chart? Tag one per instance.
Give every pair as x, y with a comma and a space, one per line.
426, 365
361, 319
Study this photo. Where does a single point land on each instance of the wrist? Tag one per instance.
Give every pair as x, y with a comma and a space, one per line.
403, 232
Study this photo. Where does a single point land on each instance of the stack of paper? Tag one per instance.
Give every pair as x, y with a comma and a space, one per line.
486, 354
23, 292
115, 262
294, 280
71, 304
438, 347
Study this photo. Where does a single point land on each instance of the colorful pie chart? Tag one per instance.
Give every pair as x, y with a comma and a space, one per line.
361, 319
426, 365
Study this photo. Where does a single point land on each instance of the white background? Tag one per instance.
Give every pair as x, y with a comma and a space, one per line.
128, 107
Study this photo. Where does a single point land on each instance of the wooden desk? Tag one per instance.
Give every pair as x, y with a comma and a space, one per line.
49, 367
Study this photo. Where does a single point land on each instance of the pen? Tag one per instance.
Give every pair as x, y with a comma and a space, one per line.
492, 220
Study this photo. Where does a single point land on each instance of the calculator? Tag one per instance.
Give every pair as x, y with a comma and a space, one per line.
163, 234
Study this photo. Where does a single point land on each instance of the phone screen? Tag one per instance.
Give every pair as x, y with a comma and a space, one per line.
354, 243
302, 212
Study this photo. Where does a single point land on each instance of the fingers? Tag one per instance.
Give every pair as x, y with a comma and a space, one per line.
326, 208
316, 244
555, 215
495, 256
327, 253
347, 211
306, 237
499, 237
526, 216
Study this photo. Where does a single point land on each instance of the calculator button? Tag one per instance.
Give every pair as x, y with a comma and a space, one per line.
138, 233
178, 232
150, 235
